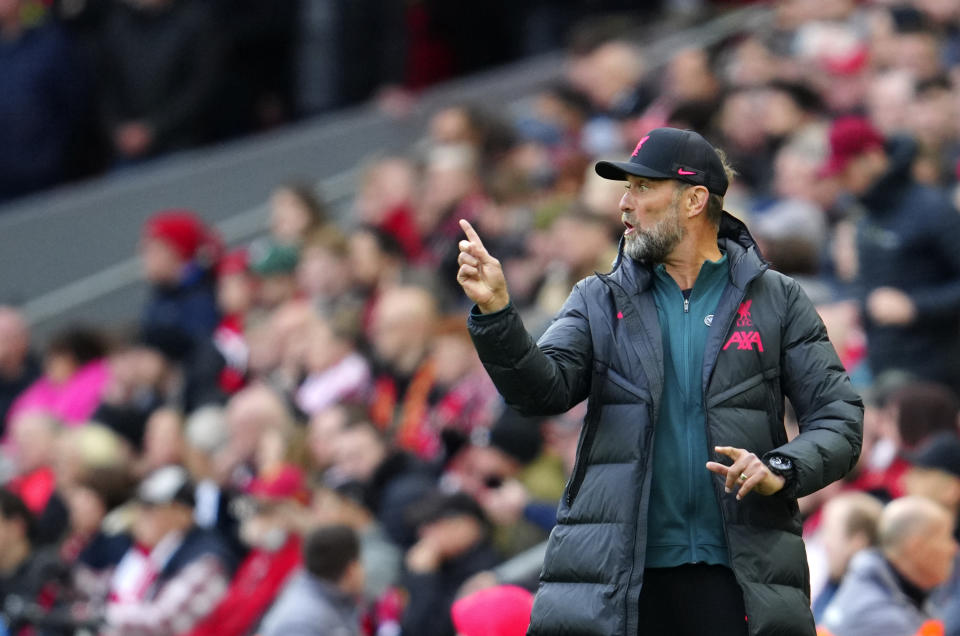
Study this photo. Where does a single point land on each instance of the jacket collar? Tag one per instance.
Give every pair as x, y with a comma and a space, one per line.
743, 254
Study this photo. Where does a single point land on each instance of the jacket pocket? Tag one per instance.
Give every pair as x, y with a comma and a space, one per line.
777, 430
583, 450
636, 391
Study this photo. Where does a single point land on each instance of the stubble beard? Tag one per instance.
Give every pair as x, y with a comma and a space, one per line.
654, 245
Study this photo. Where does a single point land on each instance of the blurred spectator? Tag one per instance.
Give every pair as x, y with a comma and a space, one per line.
849, 526
885, 591
178, 253
97, 536
295, 211
932, 120
346, 502
163, 441
269, 530
34, 437
385, 200
936, 475
30, 579
206, 434
18, 366
909, 275
75, 376
158, 62
454, 545
376, 262
393, 479
335, 370
498, 611
274, 264
250, 413
491, 469
236, 295
256, 89
935, 471
176, 573
45, 93
323, 428
321, 599
400, 335
921, 410
469, 399
324, 276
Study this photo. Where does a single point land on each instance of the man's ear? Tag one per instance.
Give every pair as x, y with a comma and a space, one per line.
696, 199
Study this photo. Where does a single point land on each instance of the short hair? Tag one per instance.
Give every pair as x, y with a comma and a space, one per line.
860, 513
904, 518
924, 409
714, 201
12, 508
82, 343
329, 550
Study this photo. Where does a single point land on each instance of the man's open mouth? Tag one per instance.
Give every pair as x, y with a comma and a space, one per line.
629, 230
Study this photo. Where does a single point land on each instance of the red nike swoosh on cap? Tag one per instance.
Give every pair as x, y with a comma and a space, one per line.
684, 172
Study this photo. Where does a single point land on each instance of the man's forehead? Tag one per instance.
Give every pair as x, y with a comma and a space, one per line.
635, 180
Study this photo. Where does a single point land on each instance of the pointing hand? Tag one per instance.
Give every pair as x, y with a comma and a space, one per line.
480, 274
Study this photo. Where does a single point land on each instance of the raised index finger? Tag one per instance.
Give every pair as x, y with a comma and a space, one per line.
471, 233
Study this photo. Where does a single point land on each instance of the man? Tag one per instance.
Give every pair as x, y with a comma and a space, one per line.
454, 545
393, 479
647, 538
269, 529
30, 579
886, 590
18, 366
935, 474
177, 573
321, 600
908, 262
850, 522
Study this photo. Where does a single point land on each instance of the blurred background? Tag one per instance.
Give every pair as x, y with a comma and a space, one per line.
228, 306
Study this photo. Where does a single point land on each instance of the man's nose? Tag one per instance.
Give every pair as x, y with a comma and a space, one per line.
625, 202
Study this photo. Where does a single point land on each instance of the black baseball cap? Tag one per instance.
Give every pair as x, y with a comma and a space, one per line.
671, 153
941, 452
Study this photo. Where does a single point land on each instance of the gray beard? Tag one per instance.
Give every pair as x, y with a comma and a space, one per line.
655, 245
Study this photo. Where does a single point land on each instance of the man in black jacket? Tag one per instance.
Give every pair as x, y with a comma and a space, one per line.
680, 516
908, 261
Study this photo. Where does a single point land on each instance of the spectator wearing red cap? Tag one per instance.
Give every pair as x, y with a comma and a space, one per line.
179, 254
908, 261
275, 552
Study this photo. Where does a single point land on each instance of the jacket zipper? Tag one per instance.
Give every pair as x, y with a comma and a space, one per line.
685, 362
706, 424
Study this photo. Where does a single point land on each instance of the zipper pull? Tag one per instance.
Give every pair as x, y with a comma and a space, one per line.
686, 305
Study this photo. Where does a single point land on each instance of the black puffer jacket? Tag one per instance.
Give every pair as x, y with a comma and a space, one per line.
766, 341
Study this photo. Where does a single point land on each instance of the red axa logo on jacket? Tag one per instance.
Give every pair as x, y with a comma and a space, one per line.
745, 339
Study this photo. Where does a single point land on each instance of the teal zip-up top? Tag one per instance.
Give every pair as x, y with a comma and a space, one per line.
684, 523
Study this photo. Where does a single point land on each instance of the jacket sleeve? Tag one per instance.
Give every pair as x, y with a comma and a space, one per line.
543, 378
829, 411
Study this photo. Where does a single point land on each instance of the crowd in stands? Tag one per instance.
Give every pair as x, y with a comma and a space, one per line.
298, 437
91, 86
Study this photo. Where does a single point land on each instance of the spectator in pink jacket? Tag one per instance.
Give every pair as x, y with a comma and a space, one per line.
75, 374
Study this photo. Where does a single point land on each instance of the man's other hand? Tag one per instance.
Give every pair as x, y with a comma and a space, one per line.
480, 274
755, 474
